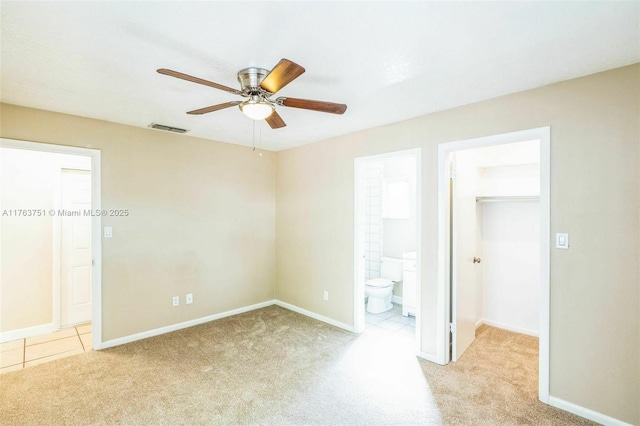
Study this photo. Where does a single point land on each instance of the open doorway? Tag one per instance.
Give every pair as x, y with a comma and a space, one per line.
498, 185
50, 240
387, 243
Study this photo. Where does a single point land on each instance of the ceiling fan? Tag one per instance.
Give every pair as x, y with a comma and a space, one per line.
258, 85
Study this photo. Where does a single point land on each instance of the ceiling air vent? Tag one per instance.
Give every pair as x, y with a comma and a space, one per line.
167, 128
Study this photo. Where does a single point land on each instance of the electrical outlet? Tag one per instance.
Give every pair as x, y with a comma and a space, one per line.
326, 295
189, 299
176, 300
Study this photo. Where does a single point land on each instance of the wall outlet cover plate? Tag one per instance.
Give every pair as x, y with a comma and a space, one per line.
562, 240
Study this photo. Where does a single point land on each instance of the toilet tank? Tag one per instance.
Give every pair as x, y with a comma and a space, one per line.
391, 268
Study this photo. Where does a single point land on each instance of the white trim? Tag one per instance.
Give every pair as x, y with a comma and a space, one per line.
208, 318
479, 323
23, 333
507, 327
418, 311
179, 326
96, 221
314, 315
57, 251
358, 251
585, 412
96, 252
542, 134
396, 299
442, 296
545, 260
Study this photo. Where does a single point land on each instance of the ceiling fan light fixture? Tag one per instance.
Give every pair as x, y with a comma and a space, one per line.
256, 110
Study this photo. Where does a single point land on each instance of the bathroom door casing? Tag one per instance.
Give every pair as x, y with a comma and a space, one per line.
463, 241
75, 253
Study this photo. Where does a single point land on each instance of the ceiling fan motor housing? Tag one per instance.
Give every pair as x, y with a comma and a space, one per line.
250, 79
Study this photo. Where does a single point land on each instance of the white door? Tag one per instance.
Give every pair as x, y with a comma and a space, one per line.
463, 240
75, 240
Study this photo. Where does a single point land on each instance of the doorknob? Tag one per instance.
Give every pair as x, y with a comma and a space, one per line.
477, 260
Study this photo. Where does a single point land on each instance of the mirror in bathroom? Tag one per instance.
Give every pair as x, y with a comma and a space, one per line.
395, 198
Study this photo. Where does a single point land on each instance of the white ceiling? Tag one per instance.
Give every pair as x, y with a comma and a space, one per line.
388, 61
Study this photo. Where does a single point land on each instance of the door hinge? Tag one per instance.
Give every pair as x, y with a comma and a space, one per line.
453, 175
452, 328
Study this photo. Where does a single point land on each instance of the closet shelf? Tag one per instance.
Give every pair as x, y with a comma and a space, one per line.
508, 198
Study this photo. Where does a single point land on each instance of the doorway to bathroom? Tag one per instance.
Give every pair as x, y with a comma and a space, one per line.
387, 244
493, 248
50, 232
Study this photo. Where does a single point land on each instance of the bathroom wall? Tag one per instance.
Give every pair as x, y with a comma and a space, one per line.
400, 233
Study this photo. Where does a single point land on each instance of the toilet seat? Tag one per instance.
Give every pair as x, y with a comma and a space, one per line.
379, 282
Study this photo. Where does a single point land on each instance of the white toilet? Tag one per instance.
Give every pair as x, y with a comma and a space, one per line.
380, 290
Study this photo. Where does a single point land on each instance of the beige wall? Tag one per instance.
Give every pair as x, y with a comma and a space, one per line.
201, 218
29, 180
595, 323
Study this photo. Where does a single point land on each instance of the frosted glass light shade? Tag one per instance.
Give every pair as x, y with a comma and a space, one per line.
256, 110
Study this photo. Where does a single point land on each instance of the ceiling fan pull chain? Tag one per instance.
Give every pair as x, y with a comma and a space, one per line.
254, 135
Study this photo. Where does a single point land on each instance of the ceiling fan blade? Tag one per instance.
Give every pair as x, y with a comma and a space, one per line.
329, 107
282, 74
214, 108
275, 121
198, 80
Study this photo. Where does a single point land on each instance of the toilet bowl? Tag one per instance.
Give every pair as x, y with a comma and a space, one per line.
380, 290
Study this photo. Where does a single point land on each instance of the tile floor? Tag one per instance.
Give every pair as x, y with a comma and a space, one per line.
392, 320
31, 351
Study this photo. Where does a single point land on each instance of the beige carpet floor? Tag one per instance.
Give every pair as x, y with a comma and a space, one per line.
275, 367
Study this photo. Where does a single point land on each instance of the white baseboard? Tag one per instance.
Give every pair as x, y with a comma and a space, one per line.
507, 327
315, 316
397, 299
197, 321
23, 333
181, 325
585, 412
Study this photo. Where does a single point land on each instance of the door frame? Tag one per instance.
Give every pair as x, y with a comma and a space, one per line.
96, 224
358, 277
543, 135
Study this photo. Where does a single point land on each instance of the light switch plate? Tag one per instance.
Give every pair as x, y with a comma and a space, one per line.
108, 232
562, 241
